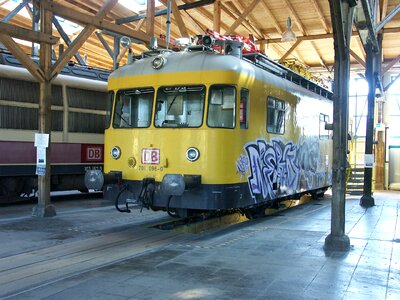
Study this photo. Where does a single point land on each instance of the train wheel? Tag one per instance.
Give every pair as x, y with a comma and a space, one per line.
255, 213
319, 194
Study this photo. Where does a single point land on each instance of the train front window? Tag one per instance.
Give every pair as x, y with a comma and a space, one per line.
221, 106
133, 108
180, 106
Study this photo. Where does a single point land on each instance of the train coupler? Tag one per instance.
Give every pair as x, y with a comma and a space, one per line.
146, 194
126, 209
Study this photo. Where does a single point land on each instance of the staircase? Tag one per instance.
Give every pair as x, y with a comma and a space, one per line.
355, 182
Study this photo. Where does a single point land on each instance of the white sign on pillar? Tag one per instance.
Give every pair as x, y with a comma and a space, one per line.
41, 143
369, 161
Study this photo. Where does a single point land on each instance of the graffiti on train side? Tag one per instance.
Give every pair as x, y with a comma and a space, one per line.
277, 168
242, 165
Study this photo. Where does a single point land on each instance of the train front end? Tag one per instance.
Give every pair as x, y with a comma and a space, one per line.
170, 134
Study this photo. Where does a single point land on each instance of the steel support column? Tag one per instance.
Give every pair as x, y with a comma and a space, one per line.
342, 21
44, 208
370, 74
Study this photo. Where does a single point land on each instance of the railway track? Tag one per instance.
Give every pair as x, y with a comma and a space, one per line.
102, 242
27, 271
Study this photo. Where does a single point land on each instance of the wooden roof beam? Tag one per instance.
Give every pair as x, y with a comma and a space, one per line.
295, 17
390, 64
217, 16
235, 13
234, 16
97, 22
195, 23
178, 18
24, 59
257, 26
321, 60
206, 14
27, 34
290, 50
80, 39
242, 17
150, 17
357, 58
272, 17
383, 8
323, 36
321, 16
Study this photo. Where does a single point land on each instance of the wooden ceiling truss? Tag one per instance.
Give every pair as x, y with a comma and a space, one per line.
261, 18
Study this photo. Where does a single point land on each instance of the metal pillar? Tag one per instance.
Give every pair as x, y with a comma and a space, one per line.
116, 52
367, 200
44, 208
35, 25
342, 21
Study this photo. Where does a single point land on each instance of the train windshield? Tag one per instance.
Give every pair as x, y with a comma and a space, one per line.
133, 108
180, 106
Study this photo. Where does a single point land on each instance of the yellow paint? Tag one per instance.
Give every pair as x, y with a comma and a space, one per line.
219, 148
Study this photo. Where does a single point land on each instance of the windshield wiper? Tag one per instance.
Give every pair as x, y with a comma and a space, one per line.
173, 100
123, 119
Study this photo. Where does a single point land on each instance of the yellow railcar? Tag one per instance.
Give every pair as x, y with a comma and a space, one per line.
197, 130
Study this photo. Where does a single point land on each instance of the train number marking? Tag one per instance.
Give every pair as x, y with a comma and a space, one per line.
150, 156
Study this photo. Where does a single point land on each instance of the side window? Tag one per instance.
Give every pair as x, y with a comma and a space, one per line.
323, 133
276, 115
244, 108
221, 106
109, 104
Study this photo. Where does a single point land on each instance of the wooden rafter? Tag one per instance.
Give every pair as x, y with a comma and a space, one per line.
357, 58
242, 17
139, 24
271, 17
178, 18
383, 9
361, 48
217, 16
390, 64
99, 23
81, 39
256, 27
25, 60
321, 60
234, 12
208, 16
150, 17
195, 23
295, 17
27, 35
290, 50
321, 16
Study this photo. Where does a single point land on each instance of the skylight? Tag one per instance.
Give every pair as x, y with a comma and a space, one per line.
137, 6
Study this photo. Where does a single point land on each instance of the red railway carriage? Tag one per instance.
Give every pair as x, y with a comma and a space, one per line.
78, 118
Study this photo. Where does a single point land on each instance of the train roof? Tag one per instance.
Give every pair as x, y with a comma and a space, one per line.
200, 59
8, 59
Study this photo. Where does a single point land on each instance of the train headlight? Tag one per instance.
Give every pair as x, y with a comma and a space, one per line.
192, 154
158, 62
115, 152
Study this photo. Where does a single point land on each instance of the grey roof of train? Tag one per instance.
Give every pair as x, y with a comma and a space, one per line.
191, 61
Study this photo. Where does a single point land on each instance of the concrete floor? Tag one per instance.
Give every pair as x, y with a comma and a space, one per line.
277, 257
